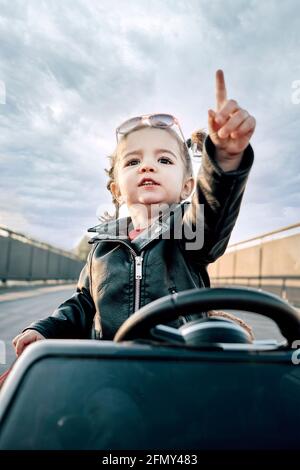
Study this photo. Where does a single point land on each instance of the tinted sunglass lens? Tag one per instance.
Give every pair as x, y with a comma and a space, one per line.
129, 125
161, 120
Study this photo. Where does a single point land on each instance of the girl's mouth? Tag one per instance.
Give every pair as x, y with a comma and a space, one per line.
148, 182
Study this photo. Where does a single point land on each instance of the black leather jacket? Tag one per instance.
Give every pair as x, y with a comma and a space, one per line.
121, 276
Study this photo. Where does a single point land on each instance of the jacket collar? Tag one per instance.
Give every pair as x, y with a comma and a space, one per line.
113, 229
118, 229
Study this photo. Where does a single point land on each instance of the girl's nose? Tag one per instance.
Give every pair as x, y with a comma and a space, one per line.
147, 166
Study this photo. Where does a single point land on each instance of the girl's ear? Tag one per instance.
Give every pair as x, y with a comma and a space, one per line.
114, 189
187, 188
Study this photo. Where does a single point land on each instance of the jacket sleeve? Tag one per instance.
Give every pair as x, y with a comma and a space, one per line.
213, 211
74, 317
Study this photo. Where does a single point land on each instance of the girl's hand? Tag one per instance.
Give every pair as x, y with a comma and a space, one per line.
230, 127
21, 341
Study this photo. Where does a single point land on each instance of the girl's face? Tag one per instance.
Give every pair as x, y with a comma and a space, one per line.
150, 169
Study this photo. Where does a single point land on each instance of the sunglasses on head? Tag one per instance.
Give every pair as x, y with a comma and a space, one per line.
161, 121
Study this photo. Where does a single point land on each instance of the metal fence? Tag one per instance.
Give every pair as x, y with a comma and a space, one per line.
25, 259
270, 262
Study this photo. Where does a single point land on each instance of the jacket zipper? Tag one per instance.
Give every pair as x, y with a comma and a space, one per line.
138, 271
138, 277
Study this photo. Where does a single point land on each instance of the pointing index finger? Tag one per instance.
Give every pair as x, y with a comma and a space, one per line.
221, 93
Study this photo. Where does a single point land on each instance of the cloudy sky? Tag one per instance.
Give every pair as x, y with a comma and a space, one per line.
72, 70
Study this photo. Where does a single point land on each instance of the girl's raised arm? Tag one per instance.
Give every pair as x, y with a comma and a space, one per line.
221, 180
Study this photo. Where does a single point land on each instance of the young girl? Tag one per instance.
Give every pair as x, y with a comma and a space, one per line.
137, 259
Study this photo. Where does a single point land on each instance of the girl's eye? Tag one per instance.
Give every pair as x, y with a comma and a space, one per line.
132, 162
166, 160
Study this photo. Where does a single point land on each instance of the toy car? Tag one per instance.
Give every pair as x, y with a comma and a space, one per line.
203, 386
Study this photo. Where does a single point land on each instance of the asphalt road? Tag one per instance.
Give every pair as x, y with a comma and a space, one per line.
21, 306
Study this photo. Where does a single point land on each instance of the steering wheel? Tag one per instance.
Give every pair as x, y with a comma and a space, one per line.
170, 307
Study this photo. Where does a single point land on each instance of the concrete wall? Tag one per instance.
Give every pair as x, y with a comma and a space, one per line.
280, 257
24, 259
270, 264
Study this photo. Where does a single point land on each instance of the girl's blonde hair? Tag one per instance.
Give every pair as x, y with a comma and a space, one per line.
113, 159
